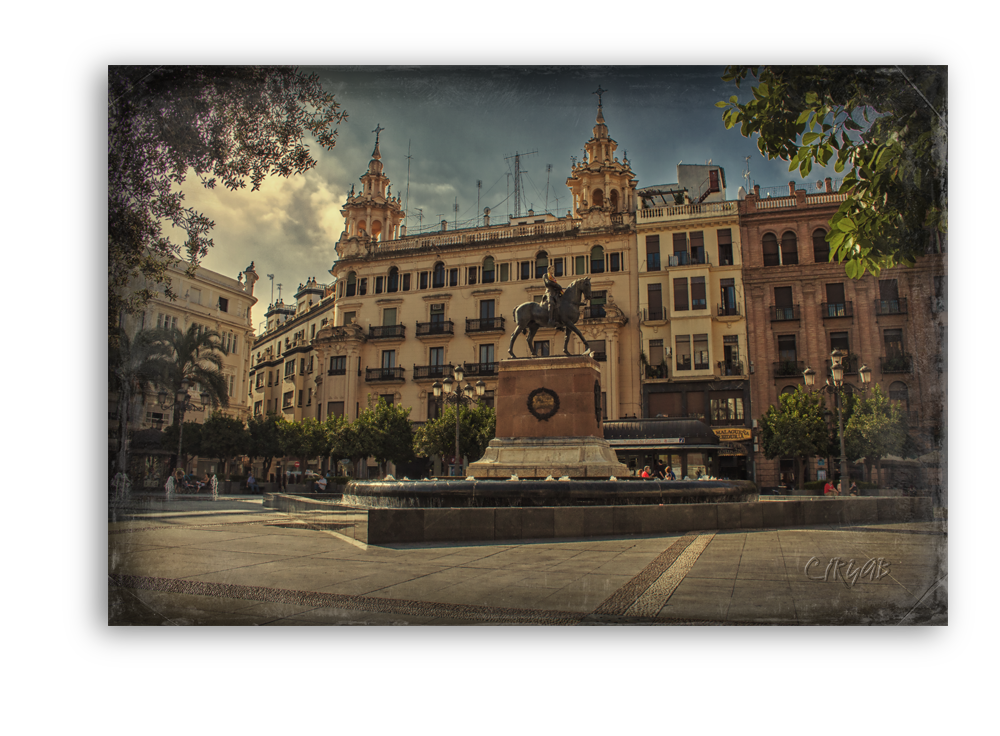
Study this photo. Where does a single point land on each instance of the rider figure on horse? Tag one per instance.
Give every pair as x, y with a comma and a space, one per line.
552, 293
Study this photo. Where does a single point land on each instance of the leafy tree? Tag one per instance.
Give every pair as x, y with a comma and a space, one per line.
343, 440
264, 439
795, 427
224, 438
385, 433
190, 446
226, 124
437, 437
885, 126
877, 428
302, 440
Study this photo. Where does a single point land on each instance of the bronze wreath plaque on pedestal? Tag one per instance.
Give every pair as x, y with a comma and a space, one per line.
543, 403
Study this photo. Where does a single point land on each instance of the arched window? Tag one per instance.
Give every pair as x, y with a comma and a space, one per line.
598, 197
541, 264
362, 228
597, 259
769, 244
789, 249
393, 279
821, 248
614, 200
788, 390
438, 280
352, 284
376, 230
900, 394
489, 270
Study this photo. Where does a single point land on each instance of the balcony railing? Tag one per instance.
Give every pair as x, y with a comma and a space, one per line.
428, 372
683, 258
446, 327
786, 368
832, 310
654, 315
656, 371
731, 368
850, 363
729, 310
594, 312
484, 324
481, 369
785, 314
890, 306
897, 364
340, 370
386, 332
373, 375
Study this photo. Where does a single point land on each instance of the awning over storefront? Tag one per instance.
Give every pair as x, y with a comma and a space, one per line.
682, 435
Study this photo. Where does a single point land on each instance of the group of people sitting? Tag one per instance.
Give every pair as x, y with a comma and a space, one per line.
189, 483
662, 472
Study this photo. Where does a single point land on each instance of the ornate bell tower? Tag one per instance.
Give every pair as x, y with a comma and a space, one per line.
602, 185
372, 215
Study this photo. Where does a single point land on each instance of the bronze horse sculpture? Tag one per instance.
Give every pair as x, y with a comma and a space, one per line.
530, 316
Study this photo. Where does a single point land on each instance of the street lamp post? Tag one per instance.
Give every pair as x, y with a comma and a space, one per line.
838, 386
182, 402
455, 393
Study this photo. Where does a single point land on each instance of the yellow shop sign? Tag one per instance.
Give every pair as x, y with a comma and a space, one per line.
731, 434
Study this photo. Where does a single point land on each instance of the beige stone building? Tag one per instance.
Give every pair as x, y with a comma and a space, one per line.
692, 322
403, 310
216, 302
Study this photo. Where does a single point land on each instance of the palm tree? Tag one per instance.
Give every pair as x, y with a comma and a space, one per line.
133, 368
188, 358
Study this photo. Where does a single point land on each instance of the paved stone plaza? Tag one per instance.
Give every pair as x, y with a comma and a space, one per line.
232, 562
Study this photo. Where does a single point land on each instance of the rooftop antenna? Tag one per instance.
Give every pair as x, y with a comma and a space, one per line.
557, 205
406, 203
456, 213
279, 292
420, 217
508, 196
517, 179
479, 191
746, 174
548, 173
271, 276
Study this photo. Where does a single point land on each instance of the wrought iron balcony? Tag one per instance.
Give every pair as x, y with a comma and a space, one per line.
731, 368
375, 375
729, 310
386, 332
656, 371
594, 312
897, 363
445, 327
484, 324
787, 368
654, 315
481, 369
430, 372
785, 314
833, 310
890, 306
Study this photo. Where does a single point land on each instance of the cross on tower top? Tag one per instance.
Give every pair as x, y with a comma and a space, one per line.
378, 129
599, 92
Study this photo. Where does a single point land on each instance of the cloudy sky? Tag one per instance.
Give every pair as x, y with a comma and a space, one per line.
461, 125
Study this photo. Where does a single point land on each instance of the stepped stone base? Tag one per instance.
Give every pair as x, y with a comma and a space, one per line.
540, 457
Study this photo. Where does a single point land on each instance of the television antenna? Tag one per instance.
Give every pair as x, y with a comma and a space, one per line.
746, 173
517, 179
455, 225
279, 292
479, 191
548, 173
271, 276
406, 203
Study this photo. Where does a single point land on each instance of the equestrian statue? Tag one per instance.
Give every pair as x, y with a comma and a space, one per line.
558, 308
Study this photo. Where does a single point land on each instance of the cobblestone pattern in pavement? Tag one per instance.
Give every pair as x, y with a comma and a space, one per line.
653, 599
622, 599
369, 604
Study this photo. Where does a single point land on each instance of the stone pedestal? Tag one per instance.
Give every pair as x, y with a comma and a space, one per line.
549, 422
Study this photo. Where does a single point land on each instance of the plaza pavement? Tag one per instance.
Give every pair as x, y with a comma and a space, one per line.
232, 562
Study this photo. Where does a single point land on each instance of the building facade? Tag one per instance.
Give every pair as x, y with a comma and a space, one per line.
213, 301
692, 317
800, 307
